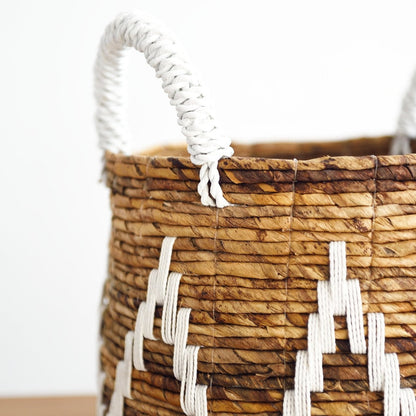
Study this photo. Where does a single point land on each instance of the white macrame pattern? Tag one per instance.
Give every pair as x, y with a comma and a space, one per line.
162, 290
206, 142
339, 296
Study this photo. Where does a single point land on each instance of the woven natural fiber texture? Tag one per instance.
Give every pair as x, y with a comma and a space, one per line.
278, 281
248, 277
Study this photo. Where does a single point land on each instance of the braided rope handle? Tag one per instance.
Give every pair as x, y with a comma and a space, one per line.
406, 125
206, 143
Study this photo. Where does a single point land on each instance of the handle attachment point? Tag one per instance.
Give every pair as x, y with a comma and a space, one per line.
206, 142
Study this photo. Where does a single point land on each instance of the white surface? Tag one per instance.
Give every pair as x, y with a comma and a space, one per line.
274, 68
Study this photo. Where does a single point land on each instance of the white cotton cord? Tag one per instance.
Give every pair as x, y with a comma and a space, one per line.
201, 403
355, 320
156, 291
122, 384
326, 318
203, 186
289, 403
384, 371
117, 400
128, 363
316, 374
392, 386
211, 196
188, 385
376, 354
206, 142
150, 305
336, 296
181, 338
164, 287
163, 269
338, 275
406, 124
138, 359
170, 306
100, 407
407, 402
302, 385
400, 145
145, 321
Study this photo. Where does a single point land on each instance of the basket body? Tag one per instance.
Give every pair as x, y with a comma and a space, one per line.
249, 274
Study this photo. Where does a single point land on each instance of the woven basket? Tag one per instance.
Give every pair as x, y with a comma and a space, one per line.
293, 294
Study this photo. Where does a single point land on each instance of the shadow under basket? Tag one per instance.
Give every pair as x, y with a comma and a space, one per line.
298, 297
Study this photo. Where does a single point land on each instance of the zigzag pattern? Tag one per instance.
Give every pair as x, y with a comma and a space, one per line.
337, 296
162, 290
340, 296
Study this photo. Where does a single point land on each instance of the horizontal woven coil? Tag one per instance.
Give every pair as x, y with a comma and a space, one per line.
250, 273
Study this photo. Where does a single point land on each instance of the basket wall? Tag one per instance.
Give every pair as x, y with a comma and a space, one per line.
250, 273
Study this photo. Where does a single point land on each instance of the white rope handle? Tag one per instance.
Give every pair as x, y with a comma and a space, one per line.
406, 125
206, 143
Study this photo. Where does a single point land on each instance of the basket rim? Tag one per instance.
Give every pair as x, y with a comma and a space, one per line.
164, 156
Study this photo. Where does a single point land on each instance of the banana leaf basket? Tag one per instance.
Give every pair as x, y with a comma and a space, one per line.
265, 279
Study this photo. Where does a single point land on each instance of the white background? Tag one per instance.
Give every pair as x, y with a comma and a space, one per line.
287, 69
